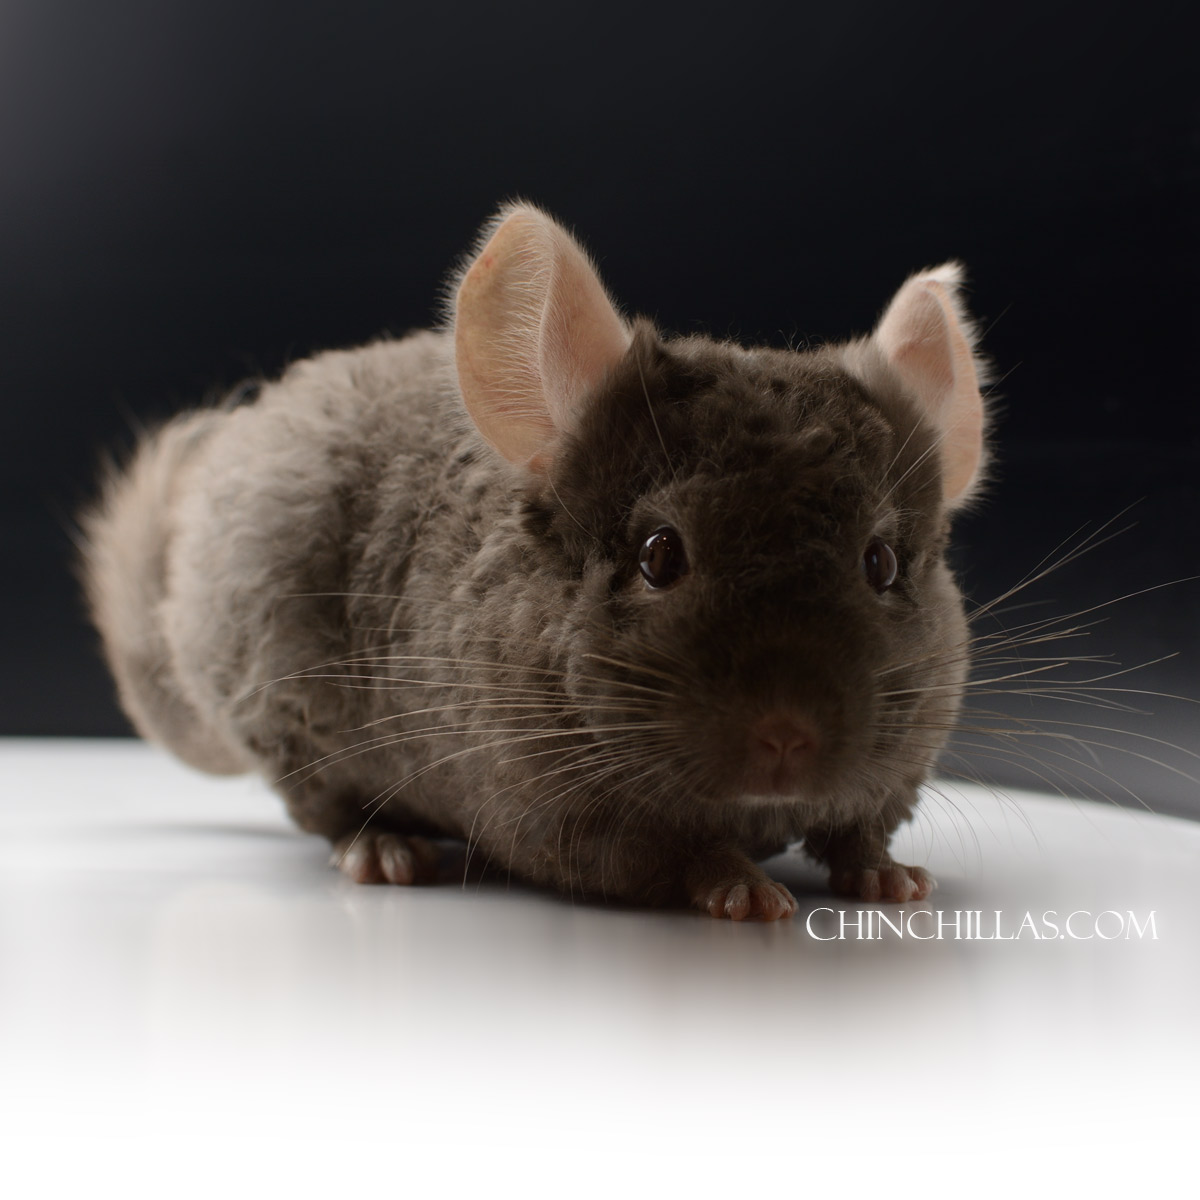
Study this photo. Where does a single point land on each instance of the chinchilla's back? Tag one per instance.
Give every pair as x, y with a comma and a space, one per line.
220, 559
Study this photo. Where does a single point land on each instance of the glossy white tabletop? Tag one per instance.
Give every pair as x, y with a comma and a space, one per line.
193, 1002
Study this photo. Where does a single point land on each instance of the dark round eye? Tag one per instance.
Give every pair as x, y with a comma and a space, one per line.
662, 560
880, 566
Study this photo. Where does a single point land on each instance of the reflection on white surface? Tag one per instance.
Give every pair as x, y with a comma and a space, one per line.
178, 966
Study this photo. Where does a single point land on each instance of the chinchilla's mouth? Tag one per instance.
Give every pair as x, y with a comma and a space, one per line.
777, 782
768, 799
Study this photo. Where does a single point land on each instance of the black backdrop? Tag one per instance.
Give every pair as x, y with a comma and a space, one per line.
197, 190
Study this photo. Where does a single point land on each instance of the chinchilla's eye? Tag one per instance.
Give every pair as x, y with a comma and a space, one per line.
662, 560
880, 566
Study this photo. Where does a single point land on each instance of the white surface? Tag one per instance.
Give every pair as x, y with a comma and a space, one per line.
192, 1002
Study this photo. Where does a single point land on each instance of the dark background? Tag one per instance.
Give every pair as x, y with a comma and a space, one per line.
195, 191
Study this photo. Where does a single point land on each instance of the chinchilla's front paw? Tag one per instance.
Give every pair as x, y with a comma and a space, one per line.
739, 892
380, 857
889, 881
746, 899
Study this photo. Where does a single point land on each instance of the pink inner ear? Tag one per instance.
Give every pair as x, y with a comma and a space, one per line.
921, 351
534, 334
921, 337
582, 337
496, 316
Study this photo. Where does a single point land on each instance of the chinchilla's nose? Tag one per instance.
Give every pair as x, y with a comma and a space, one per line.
780, 750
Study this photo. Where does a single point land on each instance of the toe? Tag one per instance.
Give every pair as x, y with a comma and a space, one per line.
775, 902
356, 859
923, 882
870, 886
737, 903
395, 859
386, 858
901, 884
895, 884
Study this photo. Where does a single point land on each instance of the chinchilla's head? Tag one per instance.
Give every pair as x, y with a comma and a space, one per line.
763, 610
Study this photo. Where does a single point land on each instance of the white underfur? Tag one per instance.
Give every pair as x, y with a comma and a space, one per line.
534, 332
927, 341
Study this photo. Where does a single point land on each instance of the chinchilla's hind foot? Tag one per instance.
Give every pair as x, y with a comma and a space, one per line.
381, 857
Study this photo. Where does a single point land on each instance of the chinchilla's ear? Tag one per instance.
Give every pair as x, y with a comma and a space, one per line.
534, 333
927, 338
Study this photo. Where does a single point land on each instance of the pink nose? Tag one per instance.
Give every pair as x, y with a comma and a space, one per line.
780, 750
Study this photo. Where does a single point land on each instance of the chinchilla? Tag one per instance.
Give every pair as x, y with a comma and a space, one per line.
627, 613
